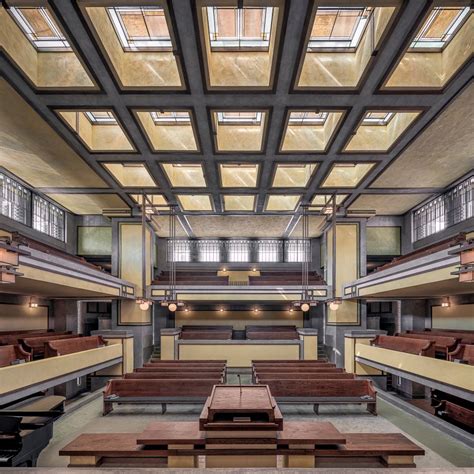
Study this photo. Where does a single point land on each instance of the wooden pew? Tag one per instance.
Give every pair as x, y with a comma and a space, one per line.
456, 414
9, 355
162, 391
69, 346
176, 375
9, 339
327, 392
271, 332
464, 337
289, 361
265, 377
463, 352
442, 344
206, 335
188, 327
36, 345
320, 370
421, 347
183, 363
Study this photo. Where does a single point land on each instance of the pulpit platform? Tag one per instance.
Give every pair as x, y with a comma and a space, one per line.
240, 426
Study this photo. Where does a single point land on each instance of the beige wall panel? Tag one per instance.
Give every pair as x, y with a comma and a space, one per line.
94, 240
455, 317
383, 240
20, 376
239, 355
167, 345
347, 255
458, 375
130, 314
310, 347
350, 365
441, 154
32, 150
347, 314
16, 317
240, 319
134, 69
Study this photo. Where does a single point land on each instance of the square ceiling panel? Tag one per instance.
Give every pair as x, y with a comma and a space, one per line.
380, 130
441, 46
340, 43
93, 204
387, 204
239, 203
156, 199
36, 42
185, 175
240, 45
98, 130
293, 175
320, 201
346, 175
131, 175
239, 175
440, 154
239, 130
309, 131
282, 202
169, 130
138, 43
195, 202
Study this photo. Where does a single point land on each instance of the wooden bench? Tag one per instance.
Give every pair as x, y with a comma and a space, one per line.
185, 364
206, 335
263, 377
457, 414
420, 347
204, 327
464, 337
36, 345
442, 344
69, 346
464, 352
176, 375
12, 339
185, 439
289, 361
324, 392
11, 355
162, 391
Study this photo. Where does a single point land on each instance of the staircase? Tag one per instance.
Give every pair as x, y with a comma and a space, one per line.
156, 354
322, 352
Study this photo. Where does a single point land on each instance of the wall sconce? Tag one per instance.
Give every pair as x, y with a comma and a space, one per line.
144, 305
334, 305
32, 303
446, 303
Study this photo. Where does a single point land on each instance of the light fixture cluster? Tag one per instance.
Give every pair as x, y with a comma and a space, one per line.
446, 303
334, 304
9, 262
173, 305
144, 304
33, 303
304, 305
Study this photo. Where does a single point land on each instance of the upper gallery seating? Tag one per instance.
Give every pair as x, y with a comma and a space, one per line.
206, 332
60, 347
268, 278
329, 387
192, 278
464, 352
165, 382
10, 355
34, 244
271, 332
36, 345
465, 337
453, 409
421, 347
14, 338
443, 344
425, 251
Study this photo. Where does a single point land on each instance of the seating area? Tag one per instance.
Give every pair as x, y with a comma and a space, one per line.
271, 332
206, 332
192, 278
422, 347
315, 383
284, 278
165, 382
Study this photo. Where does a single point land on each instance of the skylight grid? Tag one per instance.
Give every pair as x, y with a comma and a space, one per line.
170, 118
338, 27
440, 27
308, 118
141, 28
239, 28
377, 118
40, 28
239, 118
101, 118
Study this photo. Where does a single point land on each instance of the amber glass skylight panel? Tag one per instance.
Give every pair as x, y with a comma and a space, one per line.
307, 118
346, 175
102, 118
141, 28
322, 200
377, 118
288, 202
239, 118
293, 175
440, 26
131, 175
338, 27
232, 28
171, 118
239, 175
189, 175
239, 203
195, 202
40, 28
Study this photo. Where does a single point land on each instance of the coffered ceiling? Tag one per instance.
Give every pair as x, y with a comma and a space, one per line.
234, 112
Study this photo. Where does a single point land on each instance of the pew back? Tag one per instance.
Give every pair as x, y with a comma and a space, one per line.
160, 387
12, 353
421, 347
69, 346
